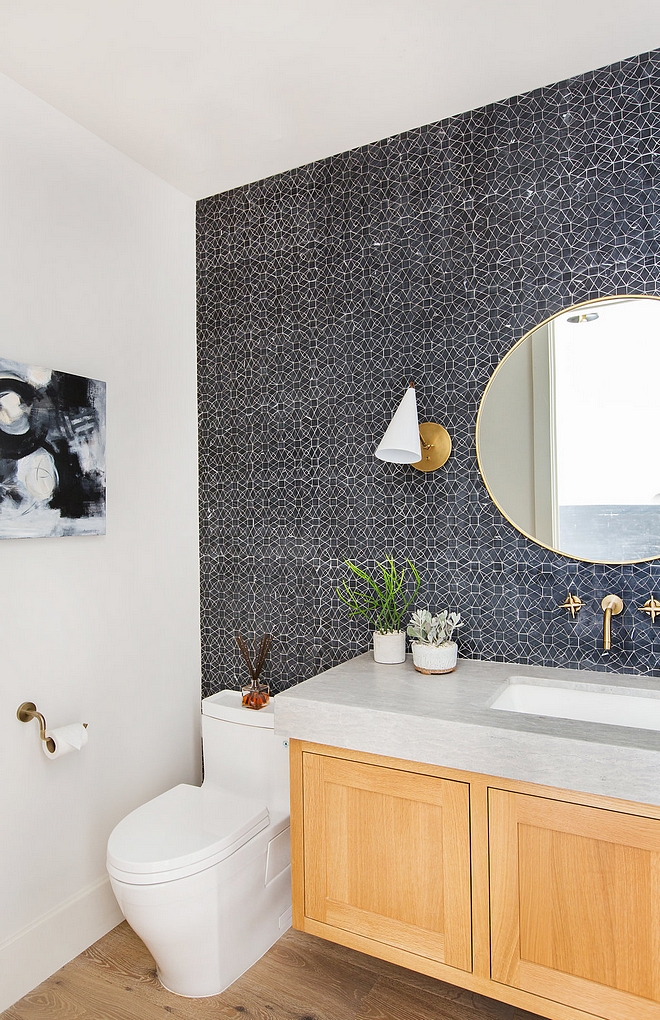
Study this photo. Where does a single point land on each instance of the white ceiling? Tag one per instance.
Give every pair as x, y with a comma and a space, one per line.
211, 94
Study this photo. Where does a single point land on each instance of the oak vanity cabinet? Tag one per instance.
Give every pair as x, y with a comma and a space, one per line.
575, 904
541, 898
387, 856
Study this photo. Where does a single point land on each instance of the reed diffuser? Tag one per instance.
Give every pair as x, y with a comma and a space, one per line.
255, 694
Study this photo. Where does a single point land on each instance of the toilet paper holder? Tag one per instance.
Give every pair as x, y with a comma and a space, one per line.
27, 712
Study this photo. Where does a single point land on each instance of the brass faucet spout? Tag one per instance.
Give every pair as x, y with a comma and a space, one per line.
607, 630
611, 606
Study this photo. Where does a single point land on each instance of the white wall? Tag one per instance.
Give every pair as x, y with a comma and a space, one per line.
97, 269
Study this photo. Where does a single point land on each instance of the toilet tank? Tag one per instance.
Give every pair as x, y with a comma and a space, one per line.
242, 752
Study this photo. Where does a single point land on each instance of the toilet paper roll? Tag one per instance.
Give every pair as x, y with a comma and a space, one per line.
65, 738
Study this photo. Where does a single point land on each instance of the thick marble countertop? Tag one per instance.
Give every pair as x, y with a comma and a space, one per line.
446, 720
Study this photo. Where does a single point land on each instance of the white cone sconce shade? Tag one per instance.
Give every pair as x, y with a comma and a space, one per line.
426, 446
401, 443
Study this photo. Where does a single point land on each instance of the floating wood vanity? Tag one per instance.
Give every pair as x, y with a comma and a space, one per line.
524, 891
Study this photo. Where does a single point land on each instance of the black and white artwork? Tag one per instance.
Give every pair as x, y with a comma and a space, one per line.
52, 453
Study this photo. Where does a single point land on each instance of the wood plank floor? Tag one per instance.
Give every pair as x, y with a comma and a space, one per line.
300, 978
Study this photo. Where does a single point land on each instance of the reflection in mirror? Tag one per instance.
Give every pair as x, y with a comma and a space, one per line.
568, 432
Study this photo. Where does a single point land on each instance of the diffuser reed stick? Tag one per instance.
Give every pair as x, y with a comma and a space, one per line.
256, 695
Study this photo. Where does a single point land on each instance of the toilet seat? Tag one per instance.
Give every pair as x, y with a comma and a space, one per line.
182, 832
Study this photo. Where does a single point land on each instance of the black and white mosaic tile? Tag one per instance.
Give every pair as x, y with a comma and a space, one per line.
424, 256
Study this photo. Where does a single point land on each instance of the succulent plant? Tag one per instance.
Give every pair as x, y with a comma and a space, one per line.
433, 630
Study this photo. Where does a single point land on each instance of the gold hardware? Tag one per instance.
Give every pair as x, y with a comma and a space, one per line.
436, 446
573, 603
652, 607
612, 606
27, 712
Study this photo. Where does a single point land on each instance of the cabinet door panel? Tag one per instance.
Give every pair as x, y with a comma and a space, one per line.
575, 904
387, 856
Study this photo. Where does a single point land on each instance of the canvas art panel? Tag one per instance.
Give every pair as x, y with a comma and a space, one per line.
52, 453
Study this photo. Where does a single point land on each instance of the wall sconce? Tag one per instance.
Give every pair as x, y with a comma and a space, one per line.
425, 447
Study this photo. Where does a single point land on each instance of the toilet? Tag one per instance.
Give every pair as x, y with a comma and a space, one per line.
202, 874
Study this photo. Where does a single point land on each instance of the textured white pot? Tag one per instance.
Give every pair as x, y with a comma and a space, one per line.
435, 659
390, 647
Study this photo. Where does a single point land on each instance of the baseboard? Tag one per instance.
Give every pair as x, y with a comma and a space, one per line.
36, 952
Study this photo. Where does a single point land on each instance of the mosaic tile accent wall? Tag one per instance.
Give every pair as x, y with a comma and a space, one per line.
323, 291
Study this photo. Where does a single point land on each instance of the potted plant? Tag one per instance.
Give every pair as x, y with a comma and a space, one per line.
383, 599
433, 649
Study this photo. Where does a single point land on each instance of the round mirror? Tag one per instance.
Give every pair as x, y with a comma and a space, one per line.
568, 432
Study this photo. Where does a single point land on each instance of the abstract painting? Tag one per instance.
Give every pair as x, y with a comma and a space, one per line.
52, 453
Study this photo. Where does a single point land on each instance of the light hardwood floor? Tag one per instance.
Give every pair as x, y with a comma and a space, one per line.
300, 978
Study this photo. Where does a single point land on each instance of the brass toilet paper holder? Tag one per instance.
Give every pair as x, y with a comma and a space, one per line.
27, 712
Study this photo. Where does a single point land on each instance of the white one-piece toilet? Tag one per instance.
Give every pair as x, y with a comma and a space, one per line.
202, 874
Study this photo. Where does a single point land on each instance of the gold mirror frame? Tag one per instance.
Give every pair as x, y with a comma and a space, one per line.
539, 325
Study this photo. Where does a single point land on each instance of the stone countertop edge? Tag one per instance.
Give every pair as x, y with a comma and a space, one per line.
445, 720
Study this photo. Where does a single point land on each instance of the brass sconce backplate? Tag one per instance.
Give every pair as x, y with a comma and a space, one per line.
436, 446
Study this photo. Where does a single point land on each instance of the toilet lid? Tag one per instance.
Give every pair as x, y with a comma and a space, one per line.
185, 826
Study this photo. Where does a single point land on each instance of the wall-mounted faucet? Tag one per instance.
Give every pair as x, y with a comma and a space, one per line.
611, 605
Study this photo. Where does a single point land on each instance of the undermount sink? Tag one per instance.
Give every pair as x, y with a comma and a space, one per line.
617, 706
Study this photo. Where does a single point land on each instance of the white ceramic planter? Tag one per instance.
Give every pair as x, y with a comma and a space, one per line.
390, 647
435, 659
